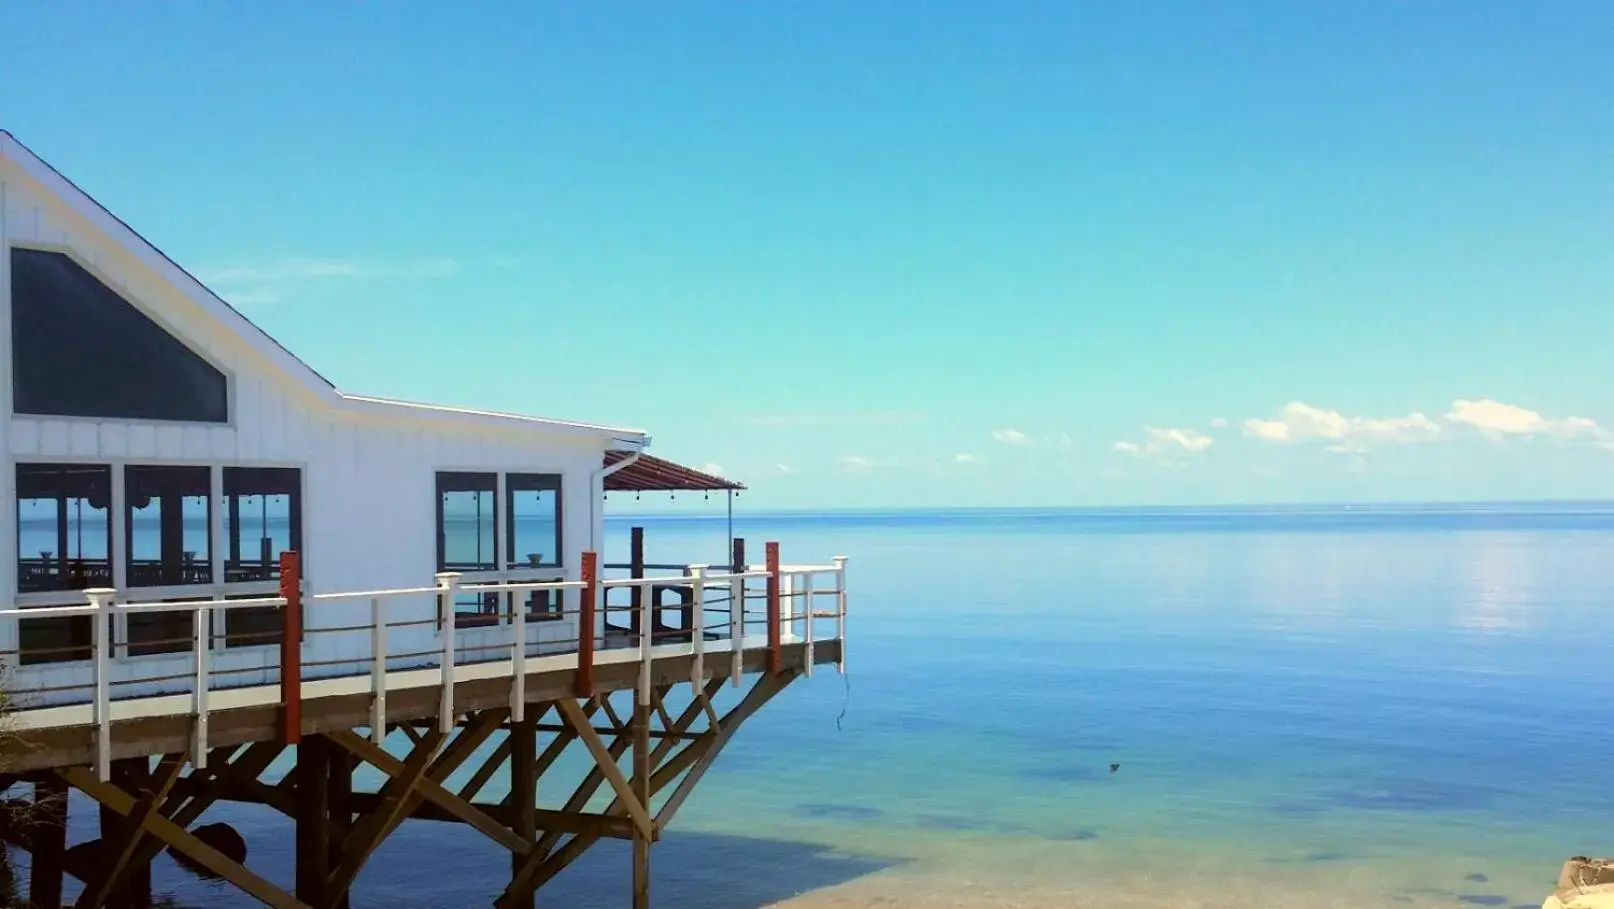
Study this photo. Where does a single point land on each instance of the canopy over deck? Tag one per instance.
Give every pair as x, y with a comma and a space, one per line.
652, 474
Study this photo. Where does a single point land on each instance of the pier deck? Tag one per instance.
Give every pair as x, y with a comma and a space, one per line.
155, 749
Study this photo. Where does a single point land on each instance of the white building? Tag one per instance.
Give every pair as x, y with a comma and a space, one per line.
160, 444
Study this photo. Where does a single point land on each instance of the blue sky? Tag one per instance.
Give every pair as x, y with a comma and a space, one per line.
920, 254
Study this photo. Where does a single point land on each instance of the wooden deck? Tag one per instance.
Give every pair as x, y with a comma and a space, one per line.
155, 759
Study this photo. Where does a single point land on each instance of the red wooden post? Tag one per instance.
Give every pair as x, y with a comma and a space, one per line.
585, 625
291, 649
776, 656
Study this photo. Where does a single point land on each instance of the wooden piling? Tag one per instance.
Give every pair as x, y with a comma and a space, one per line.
49, 842
524, 791
641, 791
313, 779
776, 663
586, 620
636, 569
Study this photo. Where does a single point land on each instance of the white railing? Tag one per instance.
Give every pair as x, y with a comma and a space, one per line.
396, 628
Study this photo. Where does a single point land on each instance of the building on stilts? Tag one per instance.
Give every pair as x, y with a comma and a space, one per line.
218, 562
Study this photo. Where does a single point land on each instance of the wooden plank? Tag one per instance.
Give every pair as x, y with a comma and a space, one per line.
523, 740
49, 846
182, 841
427, 787
761, 693
132, 829
641, 790
365, 836
313, 798
25, 749
607, 765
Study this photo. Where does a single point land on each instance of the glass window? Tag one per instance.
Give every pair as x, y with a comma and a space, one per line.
79, 349
263, 518
534, 537
467, 521
64, 542
533, 503
167, 530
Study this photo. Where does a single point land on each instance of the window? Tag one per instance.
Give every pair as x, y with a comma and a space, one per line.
533, 540
64, 542
263, 518
79, 349
467, 521
168, 526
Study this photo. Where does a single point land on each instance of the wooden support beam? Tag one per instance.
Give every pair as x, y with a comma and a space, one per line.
605, 762
182, 841
49, 842
339, 816
244, 767
523, 791
545, 819
542, 867
313, 808
641, 792
119, 844
429, 787
366, 835
761, 693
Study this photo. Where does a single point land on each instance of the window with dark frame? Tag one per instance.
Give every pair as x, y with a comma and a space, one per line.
533, 535
64, 542
263, 517
467, 535
123, 365
167, 534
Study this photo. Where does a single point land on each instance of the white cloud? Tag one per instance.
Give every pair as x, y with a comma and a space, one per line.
1301, 422
860, 462
782, 468
1218, 422
715, 470
1012, 437
967, 459
1166, 441
873, 418
1496, 420
308, 269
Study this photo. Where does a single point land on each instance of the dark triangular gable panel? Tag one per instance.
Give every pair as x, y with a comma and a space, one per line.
78, 349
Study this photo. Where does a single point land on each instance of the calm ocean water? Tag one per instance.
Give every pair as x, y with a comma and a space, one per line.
1319, 706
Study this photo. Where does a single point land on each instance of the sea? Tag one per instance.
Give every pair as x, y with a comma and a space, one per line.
1363, 706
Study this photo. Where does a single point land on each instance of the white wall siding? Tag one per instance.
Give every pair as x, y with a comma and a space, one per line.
369, 482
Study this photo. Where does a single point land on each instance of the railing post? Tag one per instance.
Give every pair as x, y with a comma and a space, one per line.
518, 657
589, 598
776, 657
101, 599
840, 613
697, 625
647, 638
378, 673
737, 628
807, 623
291, 649
447, 581
204, 673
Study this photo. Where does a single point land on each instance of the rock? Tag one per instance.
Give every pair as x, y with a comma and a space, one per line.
1584, 883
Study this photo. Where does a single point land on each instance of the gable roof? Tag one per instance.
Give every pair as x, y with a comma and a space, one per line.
273, 352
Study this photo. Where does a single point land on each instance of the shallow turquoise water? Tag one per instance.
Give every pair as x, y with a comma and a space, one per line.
1410, 703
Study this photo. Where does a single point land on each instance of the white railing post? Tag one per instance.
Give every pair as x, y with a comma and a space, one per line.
204, 673
647, 614
447, 581
101, 599
518, 655
697, 623
737, 628
807, 621
378, 673
787, 604
840, 612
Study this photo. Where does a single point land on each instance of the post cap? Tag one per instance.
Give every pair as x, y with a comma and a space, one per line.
701, 567
447, 578
97, 593
839, 560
